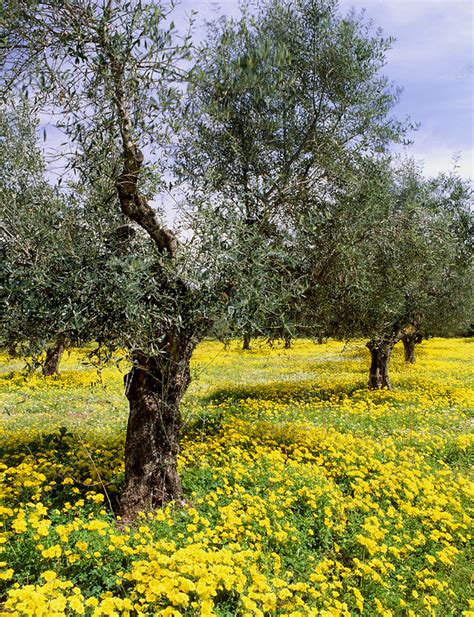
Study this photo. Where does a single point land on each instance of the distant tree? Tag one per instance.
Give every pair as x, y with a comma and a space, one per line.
31, 212
411, 272
246, 342
410, 338
53, 252
447, 299
53, 357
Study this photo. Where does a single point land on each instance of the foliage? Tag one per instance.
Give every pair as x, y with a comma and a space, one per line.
37, 249
122, 96
286, 105
404, 262
60, 260
284, 99
416, 267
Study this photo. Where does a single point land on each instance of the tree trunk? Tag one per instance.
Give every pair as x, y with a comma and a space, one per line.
409, 341
380, 352
53, 358
154, 388
246, 345
287, 340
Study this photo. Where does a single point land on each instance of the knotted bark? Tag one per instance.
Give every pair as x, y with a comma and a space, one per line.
380, 352
53, 358
154, 388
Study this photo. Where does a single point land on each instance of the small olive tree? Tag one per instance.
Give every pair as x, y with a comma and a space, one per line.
57, 247
446, 296
33, 218
411, 270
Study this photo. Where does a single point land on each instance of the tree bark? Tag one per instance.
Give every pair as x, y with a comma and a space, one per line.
409, 341
53, 358
380, 352
287, 340
154, 388
246, 345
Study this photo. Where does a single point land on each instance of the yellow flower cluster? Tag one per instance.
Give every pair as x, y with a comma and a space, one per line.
309, 495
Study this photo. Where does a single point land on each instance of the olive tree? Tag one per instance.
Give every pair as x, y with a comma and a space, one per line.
288, 105
411, 269
307, 85
446, 306
115, 65
114, 74
30, 207
410, 338
57, 247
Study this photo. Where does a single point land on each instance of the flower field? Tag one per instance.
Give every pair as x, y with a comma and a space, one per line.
308, 495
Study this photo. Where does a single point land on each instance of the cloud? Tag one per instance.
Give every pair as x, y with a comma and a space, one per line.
430, 35
436, 160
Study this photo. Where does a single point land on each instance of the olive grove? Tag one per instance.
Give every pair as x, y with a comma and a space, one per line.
270, 138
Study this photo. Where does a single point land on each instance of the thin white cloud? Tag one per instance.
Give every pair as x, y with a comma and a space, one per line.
426, 30
442, 159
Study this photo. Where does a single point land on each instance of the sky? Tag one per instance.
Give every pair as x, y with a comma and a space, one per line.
432, 60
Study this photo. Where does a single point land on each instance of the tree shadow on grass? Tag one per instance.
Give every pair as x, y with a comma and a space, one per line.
284, 392
60, 467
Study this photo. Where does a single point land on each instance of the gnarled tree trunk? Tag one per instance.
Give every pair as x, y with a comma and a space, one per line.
156, 384
154, 388
53, 358
287, 340
380, 352
246, 345
409, 341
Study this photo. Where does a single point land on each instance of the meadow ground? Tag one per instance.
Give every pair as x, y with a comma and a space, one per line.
309, 495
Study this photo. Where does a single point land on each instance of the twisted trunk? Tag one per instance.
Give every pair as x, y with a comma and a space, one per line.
246, 345
380, 352
287, 340
53, 358
156, 384
154, 388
